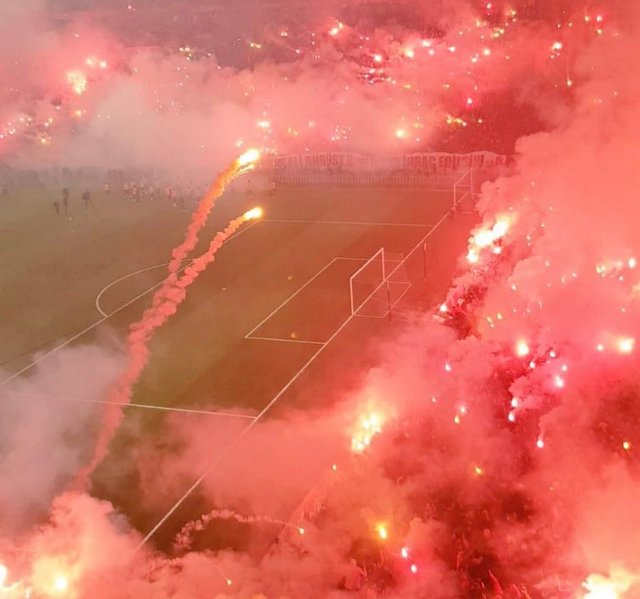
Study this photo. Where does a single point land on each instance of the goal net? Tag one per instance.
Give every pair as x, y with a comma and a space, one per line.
378, 285
367, 281
463, 191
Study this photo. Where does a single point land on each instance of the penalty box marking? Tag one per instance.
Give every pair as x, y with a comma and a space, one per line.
250, 334
98, 322
214, 462
344, 222
137, 272
135, 405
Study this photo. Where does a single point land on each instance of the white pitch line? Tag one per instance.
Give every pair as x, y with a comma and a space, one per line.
393, 305
257, 419
286, 340
89, 328
137, 272
131, 274
344, 222
286, 301
74, 337
364, 259
249, 335
135, 405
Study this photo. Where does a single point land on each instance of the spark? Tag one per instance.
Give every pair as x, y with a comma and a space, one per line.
369, 425
336, 29
78, 82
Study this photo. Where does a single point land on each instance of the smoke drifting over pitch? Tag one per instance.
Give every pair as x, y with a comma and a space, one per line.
493, 452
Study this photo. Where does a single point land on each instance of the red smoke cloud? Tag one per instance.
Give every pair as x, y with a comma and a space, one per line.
165, 302
505, 463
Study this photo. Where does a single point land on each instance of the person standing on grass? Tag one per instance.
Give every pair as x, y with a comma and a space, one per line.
86, 196
65, 200
56, 207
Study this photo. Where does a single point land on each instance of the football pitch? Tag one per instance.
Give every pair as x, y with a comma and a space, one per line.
270, 326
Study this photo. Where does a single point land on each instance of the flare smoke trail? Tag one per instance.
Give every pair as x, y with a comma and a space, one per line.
185, 537
242, 164
165, 303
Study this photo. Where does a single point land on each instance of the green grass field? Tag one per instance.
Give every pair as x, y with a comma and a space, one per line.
53, 269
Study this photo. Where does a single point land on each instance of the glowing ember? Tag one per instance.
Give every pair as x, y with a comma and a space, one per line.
78, 82
369, 425
382, 531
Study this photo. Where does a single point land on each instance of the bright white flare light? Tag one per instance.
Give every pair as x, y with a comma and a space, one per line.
60, 584
369, 425
522, 348
249, 157
254, 213
613, 587
625, 345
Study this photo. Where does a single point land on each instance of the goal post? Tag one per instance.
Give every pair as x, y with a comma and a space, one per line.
367, 280
463, 188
